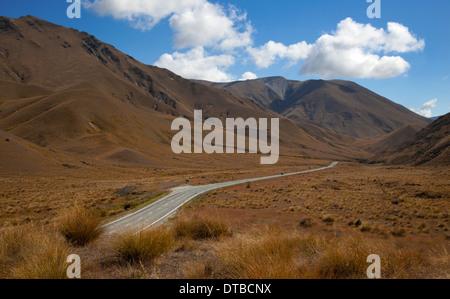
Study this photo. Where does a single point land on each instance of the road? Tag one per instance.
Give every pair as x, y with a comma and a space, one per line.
164, 208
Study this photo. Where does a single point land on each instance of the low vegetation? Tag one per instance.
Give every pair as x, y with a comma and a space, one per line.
143, 247
79, 226
318, 226
199, 227
29, 253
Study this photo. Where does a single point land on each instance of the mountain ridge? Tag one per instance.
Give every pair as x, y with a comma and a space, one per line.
327, 104
65, 90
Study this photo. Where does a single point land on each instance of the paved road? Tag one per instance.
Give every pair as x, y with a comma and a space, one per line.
165, 207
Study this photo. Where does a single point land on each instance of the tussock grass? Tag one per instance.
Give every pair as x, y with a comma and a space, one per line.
346, 258
79, 226
278, 255
270, 256
43, 257
405, 263
145, 246
199, 270
200, 227
12, 242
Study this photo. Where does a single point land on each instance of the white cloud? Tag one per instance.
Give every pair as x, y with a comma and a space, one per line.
142, 14
209, 25
196, 64
354, 50
267, 54
197, 23
248, 76
426, 109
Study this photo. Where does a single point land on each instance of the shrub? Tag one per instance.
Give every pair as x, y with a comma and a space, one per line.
79, 226
366, 229
306, 223
328, 220
401, 233
199, 227
144, 246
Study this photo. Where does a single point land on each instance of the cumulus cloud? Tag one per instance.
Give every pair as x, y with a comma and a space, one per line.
142, 14
209, 25
197, 64
354, 50
248, 76
427, 108
267, 54
197, 23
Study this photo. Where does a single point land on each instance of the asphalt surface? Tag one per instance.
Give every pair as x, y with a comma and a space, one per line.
164, 208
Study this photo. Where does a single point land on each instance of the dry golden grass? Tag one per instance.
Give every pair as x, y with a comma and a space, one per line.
199, 270
12, 242
46, 259
199, 227
402, 213
264, 257
79, 226
144, 246
290, 255
29, 253
396, 201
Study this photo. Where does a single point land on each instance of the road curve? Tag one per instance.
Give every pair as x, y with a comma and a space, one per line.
165, 207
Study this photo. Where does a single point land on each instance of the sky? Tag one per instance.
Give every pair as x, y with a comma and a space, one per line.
404, 55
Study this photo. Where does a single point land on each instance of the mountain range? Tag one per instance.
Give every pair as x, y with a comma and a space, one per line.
339, 106
66, 98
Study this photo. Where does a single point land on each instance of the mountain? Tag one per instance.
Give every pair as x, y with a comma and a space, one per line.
390, 141
435, 117
340, 106
64, 92
430, 146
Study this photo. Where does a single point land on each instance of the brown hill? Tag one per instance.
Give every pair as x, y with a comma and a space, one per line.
65, 90
390, 141
430, 146
340, 106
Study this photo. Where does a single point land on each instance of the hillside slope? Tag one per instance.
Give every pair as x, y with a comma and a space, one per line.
65, 90
431, 146
340, 106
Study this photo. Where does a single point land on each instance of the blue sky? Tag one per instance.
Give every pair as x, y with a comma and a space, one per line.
403, 56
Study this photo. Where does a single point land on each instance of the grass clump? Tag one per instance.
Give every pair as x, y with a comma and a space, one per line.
269, 254
79, 226
12, 242
328, 220
44, 258
144, 246
345, 259
268, 257
200, 227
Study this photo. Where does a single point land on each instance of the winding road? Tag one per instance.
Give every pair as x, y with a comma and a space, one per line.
164, 208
